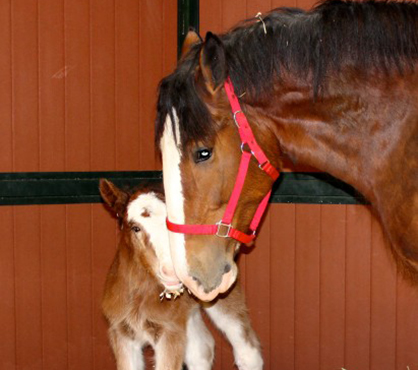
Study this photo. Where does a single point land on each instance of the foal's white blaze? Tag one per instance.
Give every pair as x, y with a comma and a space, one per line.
150, 212
171, 156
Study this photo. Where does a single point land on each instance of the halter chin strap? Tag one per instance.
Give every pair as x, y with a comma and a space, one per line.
224, 228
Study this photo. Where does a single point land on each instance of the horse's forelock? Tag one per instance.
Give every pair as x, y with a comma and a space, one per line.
179, 93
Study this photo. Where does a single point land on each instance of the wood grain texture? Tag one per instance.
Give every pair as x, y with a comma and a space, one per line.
79, 286
6, 116
127, 62
53, 287
358, 288
28, 282
51, 99
103, 247
77, 69
102, 37
8, 343
25, 85
332, 284
282, 285
307, 286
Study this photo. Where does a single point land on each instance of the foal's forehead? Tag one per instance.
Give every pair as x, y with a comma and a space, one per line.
146, 206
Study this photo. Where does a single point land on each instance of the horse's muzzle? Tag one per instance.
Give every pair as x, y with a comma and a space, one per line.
208, 288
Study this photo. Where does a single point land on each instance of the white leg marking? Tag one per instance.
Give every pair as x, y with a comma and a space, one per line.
200, 344
137, 358
171, 156
247, 357
128, 352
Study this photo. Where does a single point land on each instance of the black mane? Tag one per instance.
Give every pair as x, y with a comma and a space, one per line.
376, 35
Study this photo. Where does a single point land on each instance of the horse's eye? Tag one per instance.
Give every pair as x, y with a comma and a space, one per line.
202, 154
136, 229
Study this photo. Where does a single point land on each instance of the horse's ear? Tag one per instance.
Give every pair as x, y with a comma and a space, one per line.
114, 197
213, 62
192, 38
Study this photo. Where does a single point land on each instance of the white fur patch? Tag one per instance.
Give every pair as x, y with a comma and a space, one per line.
150, 212
247, 357
200, 348
171, 156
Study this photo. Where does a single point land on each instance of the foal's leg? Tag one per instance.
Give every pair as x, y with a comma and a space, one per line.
200, 344
230, 315
170, 350
128, 352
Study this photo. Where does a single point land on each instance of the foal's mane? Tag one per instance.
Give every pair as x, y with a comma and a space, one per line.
370, 35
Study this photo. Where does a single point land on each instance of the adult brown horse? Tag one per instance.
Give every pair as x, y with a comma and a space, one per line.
335, 88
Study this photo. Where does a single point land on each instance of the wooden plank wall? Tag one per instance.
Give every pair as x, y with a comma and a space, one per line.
78, 88
322, 290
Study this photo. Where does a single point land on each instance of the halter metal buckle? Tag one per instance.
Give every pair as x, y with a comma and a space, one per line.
218, 231
235, 117
262, 165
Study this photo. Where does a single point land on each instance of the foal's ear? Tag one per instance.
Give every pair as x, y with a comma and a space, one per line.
115, 198
192, 38
213, 62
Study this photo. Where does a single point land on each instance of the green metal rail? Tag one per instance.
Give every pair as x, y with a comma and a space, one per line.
83, 187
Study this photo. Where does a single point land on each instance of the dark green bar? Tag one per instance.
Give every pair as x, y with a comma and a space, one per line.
315, 188
187, 17
65, 187
83, 187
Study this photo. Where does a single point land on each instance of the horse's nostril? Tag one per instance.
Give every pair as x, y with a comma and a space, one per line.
212, 281
196, 280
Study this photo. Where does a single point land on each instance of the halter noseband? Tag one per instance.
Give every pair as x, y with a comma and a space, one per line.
223, 228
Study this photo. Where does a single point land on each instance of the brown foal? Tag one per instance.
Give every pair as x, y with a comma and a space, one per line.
140, 280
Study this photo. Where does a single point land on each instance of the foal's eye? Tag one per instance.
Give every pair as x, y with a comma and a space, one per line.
202, 154
136, 229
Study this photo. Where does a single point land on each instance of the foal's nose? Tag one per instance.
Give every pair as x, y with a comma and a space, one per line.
212, 281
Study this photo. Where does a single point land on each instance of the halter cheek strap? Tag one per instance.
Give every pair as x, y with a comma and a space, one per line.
223, 228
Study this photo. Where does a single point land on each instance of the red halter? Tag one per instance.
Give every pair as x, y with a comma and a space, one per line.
224, 228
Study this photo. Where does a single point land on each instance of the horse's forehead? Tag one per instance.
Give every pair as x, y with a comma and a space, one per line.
146, 206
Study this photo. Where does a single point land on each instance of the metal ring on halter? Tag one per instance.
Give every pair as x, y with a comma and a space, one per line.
242, 148
228, 229
235, 117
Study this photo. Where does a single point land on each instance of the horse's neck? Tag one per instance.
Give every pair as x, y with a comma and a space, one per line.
348, 133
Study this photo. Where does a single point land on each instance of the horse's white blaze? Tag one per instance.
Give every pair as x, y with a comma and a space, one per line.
247, 357
171, 156
150, 212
